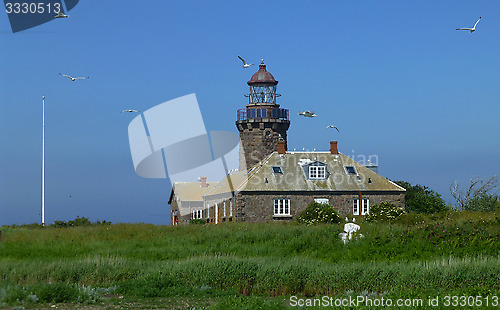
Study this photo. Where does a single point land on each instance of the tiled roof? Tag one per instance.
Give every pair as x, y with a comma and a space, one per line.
191, 191
293, 178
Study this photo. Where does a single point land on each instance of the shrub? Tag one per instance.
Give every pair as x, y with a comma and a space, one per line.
79, 221
57, 292
316, 213
483, 202
384, 211
421, 199
196, 221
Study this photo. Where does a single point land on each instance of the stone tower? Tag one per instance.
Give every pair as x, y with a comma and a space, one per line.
263, 123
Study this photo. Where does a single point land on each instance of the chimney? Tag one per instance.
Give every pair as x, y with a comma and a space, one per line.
333, 147
204, 182
281, 147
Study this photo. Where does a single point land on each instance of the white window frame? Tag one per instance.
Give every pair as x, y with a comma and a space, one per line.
355, 206
224, 215
230, 207
317, 172
365, 207
281, 206
197, 214
322, 200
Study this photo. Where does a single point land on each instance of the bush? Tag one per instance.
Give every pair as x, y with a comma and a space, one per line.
316, 213
57, 292
383, 212
197, 221
421, 199
79, 221
483, 202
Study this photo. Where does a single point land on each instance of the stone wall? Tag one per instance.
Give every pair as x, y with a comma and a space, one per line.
258, 207
259, 138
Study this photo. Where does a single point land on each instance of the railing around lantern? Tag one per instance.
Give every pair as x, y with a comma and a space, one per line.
252, 113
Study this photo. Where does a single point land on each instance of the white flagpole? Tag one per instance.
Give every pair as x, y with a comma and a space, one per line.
43, 160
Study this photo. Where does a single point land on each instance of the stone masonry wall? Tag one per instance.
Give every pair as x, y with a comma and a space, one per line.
258, 207
259, 138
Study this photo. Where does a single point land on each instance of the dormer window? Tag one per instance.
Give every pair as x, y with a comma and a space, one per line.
277, 169
317, 172
350, 170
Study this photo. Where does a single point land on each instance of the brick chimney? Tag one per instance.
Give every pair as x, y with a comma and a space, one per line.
281, 147
333, 147
204, 182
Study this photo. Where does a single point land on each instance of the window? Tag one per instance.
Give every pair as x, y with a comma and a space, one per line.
321, 200
231, 207
282, 206
317, 172
197, 214
224, 214
365, 208
350, 170
277, 169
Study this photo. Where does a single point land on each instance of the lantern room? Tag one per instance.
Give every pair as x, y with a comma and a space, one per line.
262, 88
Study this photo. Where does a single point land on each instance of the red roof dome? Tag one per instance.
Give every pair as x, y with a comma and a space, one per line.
262, 76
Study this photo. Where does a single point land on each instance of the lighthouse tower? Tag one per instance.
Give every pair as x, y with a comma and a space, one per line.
263, 123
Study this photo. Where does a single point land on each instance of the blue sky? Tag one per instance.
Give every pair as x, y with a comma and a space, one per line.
395, 77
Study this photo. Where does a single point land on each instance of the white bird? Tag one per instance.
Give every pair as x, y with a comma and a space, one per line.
245, 65
61, 15
331, 126
73, 78
137, 111
471, 29
308, 114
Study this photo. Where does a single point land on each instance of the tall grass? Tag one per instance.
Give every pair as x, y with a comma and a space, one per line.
454, 251
258, 275
420, 240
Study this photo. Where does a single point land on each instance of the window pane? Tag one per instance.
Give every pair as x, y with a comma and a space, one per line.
350, 170
277, 169
287, 206
321, 172
312, 172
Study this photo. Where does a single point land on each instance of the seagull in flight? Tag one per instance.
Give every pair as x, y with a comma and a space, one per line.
308, 114
245, 65
331, 126
471, 29
130, 111
61, 15
75, 78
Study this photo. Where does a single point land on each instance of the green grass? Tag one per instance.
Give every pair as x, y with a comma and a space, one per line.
240, 263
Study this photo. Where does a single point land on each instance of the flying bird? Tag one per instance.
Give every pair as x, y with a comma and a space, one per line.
471, 29
331, 126
73, 78
137, 111
61, 15
308, 114
245, 65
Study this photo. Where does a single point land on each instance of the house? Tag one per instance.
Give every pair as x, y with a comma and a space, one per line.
186, 200
274, 184
284, 183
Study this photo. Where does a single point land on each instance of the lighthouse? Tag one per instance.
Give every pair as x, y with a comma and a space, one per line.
262, 124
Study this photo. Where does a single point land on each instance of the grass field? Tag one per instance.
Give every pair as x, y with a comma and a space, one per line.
249, 266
